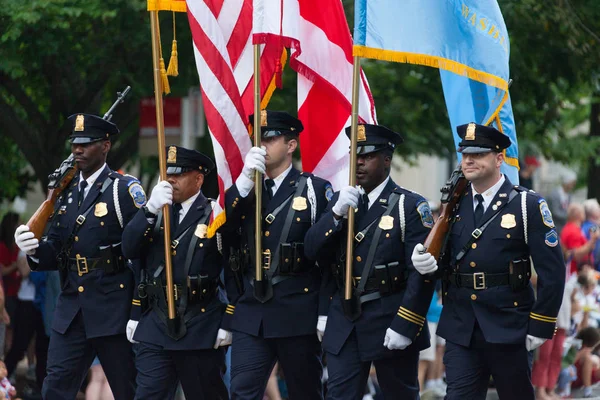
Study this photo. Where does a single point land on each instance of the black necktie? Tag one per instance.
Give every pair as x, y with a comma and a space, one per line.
363, 207
176, 208
478, 209
82, 187
269, 183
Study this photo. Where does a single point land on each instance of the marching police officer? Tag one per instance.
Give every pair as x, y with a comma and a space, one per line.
191, 351
387, 325
84, 244
491, 320
277, 324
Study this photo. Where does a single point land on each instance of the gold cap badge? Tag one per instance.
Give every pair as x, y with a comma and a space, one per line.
172, 155
361, 135
79, 123
263, 118
470, 135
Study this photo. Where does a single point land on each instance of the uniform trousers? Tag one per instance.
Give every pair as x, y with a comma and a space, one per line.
70, 357
468, 369
199, 371
253, 358
397, 375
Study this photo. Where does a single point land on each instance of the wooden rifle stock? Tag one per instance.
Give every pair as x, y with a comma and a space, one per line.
451, 194
59, 180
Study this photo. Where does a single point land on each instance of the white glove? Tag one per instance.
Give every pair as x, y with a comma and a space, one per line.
423, 262
223, 338
255, 161
161, 194
321, 324
395, 341
532, 342
130, 330
25, 241
348, 198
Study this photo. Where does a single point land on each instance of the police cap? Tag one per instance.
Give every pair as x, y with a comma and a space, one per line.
371, 138
89, 128
481, 139
180, 160
277, 123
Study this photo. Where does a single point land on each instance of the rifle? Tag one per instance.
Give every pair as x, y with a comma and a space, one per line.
60, 179
452, 191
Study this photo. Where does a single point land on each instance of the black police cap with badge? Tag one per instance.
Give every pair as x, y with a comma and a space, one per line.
371, 138
277, 123
181, 160
481, 139
89, 128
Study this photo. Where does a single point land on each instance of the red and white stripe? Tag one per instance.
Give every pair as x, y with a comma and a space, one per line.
322, 55
222, 39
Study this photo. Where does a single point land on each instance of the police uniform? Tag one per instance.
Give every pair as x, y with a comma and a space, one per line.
281, 324
184, 352
84, 243
489, 304
393, 296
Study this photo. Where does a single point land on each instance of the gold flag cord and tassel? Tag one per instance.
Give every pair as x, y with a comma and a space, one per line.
166, 88
173, 69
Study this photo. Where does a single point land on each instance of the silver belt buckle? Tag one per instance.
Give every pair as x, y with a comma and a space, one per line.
479, 280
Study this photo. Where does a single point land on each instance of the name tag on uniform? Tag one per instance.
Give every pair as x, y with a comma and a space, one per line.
508, 221
201, 230
101, 209
299, 204
386, 223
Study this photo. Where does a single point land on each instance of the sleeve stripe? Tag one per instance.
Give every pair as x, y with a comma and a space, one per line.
414, 315
542, 317
409, 318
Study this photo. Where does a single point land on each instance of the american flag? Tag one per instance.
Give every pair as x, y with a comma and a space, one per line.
222, 41
322, 55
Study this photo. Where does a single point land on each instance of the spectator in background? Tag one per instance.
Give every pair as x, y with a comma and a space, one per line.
587, 361
528, 167
431, 366
591, 224
11, 278
560, 198
575, 246
29, 322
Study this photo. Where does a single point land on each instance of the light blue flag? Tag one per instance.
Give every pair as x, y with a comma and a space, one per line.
466, 40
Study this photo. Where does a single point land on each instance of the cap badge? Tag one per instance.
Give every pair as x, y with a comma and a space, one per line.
263, 118
470, 135
361, 135
172, 155
79, 123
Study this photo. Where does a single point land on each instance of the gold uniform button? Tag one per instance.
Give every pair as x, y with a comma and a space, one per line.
267, 233
516, 304
77, 238
201, 245
203, 309
358, 258
508, 235
472, 264
326, 233
306, 289
298, 219
474, 246
387, 235
121, 286
243, 217
81, 289
101, 223
473, 297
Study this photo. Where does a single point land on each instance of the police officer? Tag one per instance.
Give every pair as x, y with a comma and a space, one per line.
491, 320
84, 244
277, 324
191, 350
386, 325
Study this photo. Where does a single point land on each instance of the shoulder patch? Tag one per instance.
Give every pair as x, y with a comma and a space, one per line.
425, 213
137, 194
546, 214
551, 238
328, 191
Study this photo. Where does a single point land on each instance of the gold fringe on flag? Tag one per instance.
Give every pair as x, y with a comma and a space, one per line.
173, 69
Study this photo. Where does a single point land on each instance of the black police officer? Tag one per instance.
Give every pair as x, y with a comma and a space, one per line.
491, 320
279, 325
84, 244
191, 352
391, 327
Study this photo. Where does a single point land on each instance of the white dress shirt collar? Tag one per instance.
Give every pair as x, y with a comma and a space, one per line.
375, 193
489, 194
